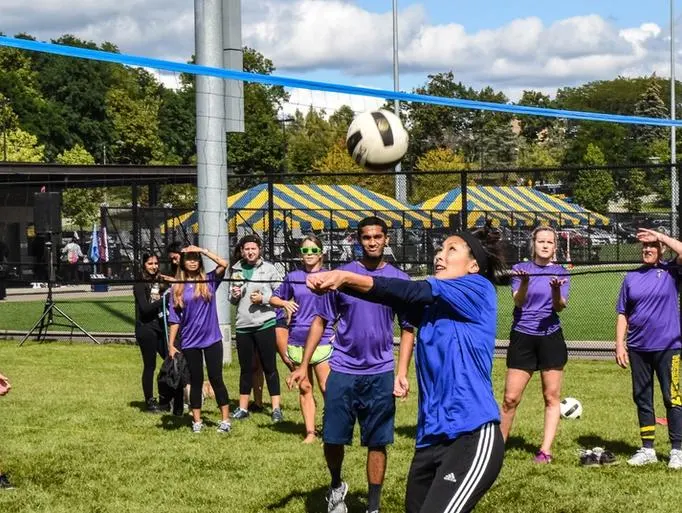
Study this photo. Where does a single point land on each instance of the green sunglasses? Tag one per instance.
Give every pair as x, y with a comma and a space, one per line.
311, 251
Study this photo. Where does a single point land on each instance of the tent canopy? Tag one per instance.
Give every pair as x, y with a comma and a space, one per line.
509, 206
311, 207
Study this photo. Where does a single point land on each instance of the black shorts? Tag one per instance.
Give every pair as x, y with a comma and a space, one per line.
536, 352
452, 476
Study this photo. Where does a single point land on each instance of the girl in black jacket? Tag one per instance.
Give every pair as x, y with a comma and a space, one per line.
149, 327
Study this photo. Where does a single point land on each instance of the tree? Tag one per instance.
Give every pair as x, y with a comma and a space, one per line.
533, 126
310, 138
425, 186
594, 188
650, 105
81, 206
23, 147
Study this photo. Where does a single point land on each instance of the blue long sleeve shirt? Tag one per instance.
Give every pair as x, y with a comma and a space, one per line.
455, 346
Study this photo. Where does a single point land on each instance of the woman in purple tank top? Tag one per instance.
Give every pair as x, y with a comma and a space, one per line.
301, 306
536, 343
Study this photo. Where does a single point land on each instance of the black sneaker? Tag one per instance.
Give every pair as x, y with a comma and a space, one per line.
277, 416
153, 406
589, 459
240, 414
255, 408
4, 483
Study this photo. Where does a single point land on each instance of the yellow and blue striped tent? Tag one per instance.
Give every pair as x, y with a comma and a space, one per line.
310, 207
509, 206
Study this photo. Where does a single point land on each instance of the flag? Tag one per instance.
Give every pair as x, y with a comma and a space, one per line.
94, 246
103, 245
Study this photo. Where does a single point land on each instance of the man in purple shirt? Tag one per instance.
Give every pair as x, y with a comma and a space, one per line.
361, 384
648, 313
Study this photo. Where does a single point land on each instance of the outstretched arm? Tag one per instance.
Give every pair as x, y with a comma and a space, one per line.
394, 292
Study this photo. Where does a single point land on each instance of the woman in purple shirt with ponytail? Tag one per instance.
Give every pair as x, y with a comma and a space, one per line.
302, 306
536, 343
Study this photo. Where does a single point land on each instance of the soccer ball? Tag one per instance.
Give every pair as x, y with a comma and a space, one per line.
571, 408
377, 140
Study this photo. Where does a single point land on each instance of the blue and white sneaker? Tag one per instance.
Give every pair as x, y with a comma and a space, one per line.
224, 427
240, 414
197, 427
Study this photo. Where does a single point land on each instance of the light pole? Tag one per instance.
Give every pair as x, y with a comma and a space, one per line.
400, 179
674, 200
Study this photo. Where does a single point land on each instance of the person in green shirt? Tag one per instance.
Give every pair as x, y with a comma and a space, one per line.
254, 279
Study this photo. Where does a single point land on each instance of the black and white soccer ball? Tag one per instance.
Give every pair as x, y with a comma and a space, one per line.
377, 140
571, 408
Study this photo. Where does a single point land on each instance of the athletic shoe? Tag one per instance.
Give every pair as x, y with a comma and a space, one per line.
643, 456
335, 499
197, 427
542, 457
224, 427
588, 458
153, 406
255, 408
4, 483
675, 462
277, 416
240, 414
607, 458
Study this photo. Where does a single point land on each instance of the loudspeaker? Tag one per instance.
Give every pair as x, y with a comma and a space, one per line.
47, 212
455, 222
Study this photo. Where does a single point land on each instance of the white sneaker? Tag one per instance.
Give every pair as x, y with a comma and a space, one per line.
335, 499
197, 427
644, 456
675, 462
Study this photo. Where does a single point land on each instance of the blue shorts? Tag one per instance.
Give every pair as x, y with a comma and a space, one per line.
367, 398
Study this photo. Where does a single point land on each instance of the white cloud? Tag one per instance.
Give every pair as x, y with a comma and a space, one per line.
305, 35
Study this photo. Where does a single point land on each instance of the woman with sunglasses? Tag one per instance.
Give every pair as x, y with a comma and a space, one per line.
301, 306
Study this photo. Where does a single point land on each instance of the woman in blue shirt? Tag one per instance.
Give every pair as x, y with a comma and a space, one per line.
459, 449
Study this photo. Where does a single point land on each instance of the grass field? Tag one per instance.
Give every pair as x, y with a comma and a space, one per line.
590, 316
75, 440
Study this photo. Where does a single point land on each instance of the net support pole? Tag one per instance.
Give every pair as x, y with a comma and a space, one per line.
674, 193
211, 150
400, 178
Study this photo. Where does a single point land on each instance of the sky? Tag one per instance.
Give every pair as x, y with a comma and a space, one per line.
509, 45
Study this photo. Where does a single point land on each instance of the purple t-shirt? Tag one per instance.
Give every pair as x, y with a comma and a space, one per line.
537, 316
198, 319
364, 331
648, 298
309, 304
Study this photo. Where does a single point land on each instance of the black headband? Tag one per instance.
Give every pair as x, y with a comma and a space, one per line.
480, 254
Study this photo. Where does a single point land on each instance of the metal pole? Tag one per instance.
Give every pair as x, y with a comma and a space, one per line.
674, 197
400, 179
211, 150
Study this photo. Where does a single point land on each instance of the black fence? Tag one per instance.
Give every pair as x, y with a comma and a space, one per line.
99, 294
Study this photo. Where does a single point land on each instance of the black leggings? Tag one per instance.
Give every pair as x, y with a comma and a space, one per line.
213, 355
264, 343
151, 343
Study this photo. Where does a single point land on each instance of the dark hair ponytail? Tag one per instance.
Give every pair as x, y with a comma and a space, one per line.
496, 271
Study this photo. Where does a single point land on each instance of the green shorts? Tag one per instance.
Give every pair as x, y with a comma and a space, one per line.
321, 354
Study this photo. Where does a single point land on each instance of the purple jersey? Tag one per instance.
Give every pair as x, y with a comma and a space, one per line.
198, 319
364, 331
537, 316
648, 298
309, 305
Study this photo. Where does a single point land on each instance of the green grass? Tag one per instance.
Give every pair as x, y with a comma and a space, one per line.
74, 440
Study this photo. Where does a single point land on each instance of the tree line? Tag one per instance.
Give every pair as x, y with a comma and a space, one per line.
75, 111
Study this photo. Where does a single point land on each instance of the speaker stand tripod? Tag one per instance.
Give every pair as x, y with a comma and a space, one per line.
46, 320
